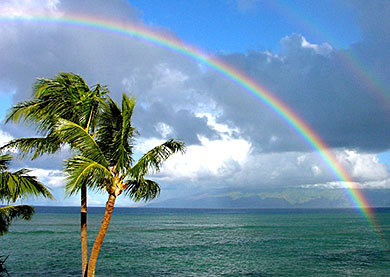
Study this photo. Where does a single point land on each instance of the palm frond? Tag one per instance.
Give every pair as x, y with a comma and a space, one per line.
153, 159
142, 189
116, 133
91, 104
34, 146
20, 110
80, 139
83, 171
19, 184
66, 96
10, 213
124, 138
37, 113
4, 161
109, 126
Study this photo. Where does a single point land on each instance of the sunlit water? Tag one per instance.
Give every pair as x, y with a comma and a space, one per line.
174, 242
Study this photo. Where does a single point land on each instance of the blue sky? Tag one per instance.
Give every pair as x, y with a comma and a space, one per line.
5, 104
243, 25
235, 144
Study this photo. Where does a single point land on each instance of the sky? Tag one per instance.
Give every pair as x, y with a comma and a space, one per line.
327, 60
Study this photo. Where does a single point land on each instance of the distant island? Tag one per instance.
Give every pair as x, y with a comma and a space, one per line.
291, 198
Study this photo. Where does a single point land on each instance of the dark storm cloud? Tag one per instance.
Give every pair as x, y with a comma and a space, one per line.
29, 50
316, 82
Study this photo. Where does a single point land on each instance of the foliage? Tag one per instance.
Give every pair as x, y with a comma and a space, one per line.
14, 186
64, 110
18, 184
105, 161
108, 154
10, 213
67, 96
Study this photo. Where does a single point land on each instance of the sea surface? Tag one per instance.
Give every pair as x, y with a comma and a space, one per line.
203, 242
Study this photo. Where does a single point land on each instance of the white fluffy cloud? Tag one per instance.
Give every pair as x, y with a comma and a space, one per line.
4, 137
363, 167
28, 7
295, 43
211, 159
51, 178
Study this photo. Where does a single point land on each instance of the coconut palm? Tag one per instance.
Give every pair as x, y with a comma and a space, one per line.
105, 162
66, 96
13, 186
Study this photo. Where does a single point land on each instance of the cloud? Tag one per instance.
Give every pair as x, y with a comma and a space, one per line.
363, 167
296, 45
315, 81
374, 20
27, 7
171, 90
233, 138
51, 178
258, 172
211, 159
4, 137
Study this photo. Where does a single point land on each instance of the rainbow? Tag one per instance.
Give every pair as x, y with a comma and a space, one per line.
238, 78
348, 60
370, 81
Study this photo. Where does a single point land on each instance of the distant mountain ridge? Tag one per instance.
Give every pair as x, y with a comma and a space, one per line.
293, 198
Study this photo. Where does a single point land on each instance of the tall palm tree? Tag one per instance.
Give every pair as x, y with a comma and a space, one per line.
65, 96
105, 162
13, 186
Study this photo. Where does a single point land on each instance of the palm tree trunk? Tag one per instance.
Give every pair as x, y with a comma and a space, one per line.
100, 236
83, 230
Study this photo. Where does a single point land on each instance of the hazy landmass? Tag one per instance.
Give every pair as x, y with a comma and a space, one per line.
291, 198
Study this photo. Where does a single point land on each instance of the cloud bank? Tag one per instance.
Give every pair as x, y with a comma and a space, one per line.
234, 141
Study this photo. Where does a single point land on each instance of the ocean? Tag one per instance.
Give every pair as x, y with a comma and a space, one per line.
203, 242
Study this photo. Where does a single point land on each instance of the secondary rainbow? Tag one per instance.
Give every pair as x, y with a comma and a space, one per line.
348, 59
229, 72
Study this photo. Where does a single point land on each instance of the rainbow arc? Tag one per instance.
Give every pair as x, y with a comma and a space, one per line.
227, 71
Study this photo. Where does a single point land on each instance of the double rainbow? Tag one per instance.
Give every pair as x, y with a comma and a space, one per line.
348, 60
227, 71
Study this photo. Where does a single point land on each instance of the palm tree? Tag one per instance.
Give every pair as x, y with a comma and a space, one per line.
105, 161
66, 96
13, 186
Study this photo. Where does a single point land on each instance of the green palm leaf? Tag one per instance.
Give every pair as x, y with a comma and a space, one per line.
66, 96
142, 189
84, 171
34, 146
116, 134
4, 161
91, 104
10, 213
80, 139
15, 185
38, 113
153, 159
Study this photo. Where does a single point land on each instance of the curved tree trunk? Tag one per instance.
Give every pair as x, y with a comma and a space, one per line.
100, 236
83, 230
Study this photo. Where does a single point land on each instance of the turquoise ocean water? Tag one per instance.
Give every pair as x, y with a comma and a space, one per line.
189, 242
